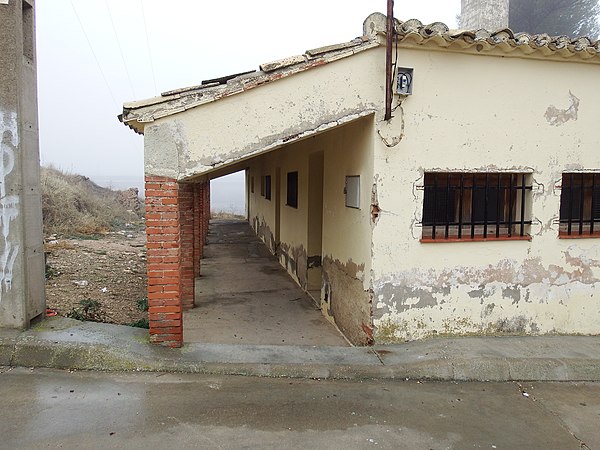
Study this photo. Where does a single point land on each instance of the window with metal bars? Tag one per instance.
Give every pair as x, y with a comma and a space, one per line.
580, 205
475, 206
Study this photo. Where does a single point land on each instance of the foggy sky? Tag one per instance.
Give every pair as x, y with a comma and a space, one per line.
188, 41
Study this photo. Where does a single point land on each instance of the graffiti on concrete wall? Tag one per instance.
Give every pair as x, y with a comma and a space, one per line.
9, 204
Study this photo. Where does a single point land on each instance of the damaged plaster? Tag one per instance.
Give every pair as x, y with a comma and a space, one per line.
263, 231
164, 144
506, 298
264, 144
351, 311
295, 261
557, 117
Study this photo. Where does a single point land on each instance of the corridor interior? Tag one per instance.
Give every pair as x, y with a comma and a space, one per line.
244, 296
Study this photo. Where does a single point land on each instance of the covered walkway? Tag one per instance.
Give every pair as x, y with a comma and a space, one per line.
245, 297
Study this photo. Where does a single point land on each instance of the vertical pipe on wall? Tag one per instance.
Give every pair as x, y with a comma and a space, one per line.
388, 59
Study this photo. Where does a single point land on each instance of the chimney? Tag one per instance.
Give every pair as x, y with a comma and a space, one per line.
487, 14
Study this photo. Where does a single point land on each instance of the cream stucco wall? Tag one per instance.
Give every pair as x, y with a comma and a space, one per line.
486, 113
262, 119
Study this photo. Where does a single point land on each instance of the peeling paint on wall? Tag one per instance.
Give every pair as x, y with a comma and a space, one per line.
375, 210
264, 233
556, 116
9, 204
295, 260
316, 122
348, 302
489, 300
391, 131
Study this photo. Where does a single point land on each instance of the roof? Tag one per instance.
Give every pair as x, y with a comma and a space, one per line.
411, 33
540, 45
136, 113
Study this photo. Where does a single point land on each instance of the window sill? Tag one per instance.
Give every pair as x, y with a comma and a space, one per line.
475, 239
578, 236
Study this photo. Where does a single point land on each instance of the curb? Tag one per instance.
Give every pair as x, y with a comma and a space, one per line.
68, 344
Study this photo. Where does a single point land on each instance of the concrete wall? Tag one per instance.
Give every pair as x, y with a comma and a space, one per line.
486, 114
323, 233
21, 251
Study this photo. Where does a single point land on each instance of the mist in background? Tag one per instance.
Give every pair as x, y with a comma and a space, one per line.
95, 55
228, 194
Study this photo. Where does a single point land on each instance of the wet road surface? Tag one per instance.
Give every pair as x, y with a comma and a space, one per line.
62, 409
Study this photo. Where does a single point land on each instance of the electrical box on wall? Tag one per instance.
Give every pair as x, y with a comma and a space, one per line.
352, 191
404, 81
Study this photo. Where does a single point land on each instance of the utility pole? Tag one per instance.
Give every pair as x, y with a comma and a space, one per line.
21, 247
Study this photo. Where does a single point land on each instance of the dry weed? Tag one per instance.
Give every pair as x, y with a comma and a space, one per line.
74, 205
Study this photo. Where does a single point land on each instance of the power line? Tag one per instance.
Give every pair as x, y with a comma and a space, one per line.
95, 57
120, 49
148, 46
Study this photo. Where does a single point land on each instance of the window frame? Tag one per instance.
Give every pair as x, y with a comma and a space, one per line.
292, 189
583, 220
268, 187
462, 206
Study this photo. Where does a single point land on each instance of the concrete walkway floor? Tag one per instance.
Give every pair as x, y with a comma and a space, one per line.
245, 297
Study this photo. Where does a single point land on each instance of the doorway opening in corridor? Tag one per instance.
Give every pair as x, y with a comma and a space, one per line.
228, 196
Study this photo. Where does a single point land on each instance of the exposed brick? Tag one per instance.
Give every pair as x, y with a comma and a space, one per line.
161, 192
163, 309
165, 316
164, 250
165, 323
162, 295
173, 330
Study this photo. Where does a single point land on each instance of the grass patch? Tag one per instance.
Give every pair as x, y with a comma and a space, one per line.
51, 272
88, 309
142, 304
142, 323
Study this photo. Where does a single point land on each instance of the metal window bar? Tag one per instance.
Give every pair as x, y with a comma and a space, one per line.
485, 205
442, 189
593, 205
460, 206
472, 207
582, 204
523, 188
499, 196
511, 204
447, 227
569, 226
434, 205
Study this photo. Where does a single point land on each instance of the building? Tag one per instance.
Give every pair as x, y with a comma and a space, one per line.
22, 296
474, 210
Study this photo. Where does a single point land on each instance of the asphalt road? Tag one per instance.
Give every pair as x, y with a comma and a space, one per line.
62, 409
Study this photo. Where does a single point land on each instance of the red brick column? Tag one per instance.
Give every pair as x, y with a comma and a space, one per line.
198, 225
186, 251
206, 208
164, 275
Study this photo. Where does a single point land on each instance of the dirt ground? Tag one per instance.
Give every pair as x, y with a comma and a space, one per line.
102, 278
